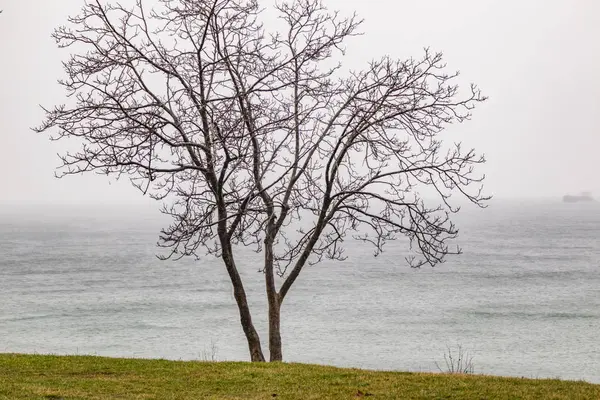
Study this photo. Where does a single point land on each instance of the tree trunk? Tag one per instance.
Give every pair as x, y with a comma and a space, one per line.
256, 354
275, 353
275, 330
239, 293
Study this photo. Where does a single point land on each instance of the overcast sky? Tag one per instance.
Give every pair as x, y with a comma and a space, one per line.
538, 60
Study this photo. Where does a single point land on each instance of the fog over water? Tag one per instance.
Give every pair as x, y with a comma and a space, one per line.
524, 298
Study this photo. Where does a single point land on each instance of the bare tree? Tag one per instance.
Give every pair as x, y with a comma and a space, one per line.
242, 131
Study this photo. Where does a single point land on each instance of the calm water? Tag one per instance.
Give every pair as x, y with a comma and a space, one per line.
524, 298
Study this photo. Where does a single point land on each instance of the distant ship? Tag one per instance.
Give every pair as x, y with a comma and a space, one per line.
576, 199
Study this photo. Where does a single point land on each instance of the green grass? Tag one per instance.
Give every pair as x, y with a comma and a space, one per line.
83, 377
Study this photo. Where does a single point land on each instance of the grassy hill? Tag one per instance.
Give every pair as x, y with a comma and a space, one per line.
84, 377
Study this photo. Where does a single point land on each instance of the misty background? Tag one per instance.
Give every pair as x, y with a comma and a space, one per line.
537, 60
79, 274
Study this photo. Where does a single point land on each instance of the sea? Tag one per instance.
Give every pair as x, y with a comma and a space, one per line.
522, 300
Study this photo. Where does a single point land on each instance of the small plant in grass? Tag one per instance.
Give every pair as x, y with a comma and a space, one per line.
210, 354
458, 361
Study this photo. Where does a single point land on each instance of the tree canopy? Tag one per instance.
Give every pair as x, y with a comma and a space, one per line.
242, 129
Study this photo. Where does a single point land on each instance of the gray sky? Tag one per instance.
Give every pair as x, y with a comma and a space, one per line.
537, 60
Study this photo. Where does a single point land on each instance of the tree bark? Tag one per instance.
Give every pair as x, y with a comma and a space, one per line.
256, 353
275, 330
275, 353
